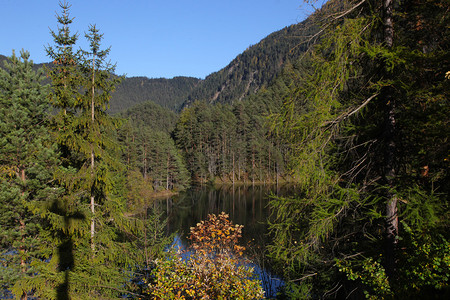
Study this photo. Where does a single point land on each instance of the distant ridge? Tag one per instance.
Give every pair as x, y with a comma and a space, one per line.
255, 68
250, 71
169, 93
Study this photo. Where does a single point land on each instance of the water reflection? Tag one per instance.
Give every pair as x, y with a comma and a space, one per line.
246, 205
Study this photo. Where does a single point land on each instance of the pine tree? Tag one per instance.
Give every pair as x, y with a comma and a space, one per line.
27, 158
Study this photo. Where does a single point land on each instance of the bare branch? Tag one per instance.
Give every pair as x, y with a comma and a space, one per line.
346, 115
304, 277
118, 290
337, 17
361, 106
349, 10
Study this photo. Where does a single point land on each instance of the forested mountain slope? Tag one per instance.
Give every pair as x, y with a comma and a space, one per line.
151, 114
255, 68
249, 72
169, 93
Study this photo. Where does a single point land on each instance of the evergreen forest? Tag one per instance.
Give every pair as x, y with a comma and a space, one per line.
351, 105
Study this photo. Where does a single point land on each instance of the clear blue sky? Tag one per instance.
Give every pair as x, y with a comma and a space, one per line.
153, 38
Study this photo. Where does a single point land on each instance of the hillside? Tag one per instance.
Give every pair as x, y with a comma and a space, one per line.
255, 68
169, 93
252, 70
151, 114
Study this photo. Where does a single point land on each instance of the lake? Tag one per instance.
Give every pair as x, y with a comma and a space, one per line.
245, 204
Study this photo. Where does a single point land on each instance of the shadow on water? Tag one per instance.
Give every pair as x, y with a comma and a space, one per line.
246, 205
65, 250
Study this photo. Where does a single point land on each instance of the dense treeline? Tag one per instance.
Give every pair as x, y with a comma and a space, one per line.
169, 93
227, 143
233, 143
149, 149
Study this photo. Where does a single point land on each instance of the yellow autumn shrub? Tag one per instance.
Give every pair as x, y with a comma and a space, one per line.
216, 268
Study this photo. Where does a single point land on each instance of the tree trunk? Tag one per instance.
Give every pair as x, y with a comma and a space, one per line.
22, 234
92, 159
144, 162
253, 166
233, 169
391, 152
167, 175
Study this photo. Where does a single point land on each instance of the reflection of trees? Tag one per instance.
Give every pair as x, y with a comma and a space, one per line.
246, 205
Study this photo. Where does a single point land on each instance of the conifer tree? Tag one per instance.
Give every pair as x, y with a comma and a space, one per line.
66, 215
89, 247
65, 72
27, 160
99, 83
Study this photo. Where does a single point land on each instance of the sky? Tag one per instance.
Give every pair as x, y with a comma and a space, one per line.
153, 38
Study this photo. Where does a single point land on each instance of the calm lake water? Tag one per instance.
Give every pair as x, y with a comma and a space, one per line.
246, 205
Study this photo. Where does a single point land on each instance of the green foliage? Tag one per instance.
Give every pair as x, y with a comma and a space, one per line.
310, 121
168, 93
214, 269
425, 259
151, 242
371, 273
365, 121
28, 159
424, 264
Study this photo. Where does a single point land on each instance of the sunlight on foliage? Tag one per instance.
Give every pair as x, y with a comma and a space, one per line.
424, 262
371, 273
215, 269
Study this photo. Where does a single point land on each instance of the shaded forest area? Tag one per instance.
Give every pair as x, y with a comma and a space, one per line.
354, 110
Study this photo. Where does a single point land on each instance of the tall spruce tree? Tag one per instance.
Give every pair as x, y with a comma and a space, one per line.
99, 83
90, 242
66, 215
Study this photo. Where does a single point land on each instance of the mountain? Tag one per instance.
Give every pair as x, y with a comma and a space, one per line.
2, 59
255, 68
252, 70
169, 93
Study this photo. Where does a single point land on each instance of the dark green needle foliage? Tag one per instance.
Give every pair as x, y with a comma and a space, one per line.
89, 229
28, 158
